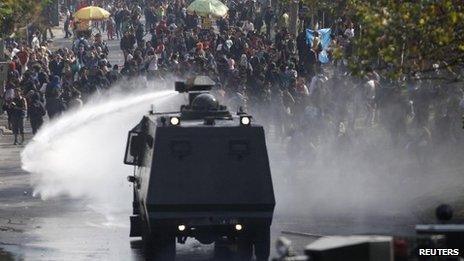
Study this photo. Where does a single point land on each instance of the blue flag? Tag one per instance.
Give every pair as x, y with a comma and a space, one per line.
324, 36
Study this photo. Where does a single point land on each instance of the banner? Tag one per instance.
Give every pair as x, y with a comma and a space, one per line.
324, 38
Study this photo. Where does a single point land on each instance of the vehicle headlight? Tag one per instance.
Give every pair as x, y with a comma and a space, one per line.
238, 227
174, 121
245, 120
181, 227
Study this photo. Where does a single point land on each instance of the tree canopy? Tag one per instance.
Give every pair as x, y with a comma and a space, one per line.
408, 38
17, 13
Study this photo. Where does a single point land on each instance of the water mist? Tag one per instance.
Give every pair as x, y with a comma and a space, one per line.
80, 154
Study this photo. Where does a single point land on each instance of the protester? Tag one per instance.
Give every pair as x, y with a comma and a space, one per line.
257, 62
67, 25
36, 111
18, 108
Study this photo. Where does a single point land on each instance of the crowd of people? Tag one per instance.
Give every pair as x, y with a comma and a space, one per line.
257, 63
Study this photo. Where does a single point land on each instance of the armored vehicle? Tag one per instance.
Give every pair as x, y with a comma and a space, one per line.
201, 173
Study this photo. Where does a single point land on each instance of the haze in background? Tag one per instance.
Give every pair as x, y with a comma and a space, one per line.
360, 185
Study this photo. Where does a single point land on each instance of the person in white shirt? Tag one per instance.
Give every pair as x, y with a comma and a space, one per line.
14, 51
248, 26
349, 32
152, 63
35, 43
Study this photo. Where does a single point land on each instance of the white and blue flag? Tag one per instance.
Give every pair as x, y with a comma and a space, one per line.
324, 35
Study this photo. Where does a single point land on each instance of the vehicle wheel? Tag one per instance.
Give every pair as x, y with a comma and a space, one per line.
148, 244
135, 204
159, 247
164, 248
222, 250
262, 243
244, 248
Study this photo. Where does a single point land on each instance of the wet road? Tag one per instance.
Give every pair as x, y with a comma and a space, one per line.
69, 229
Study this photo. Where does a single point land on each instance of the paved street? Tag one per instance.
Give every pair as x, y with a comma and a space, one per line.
63, 229
70, 229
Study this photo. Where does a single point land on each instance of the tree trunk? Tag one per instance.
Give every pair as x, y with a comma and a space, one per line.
294, 18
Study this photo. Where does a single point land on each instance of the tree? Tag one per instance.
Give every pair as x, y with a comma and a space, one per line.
408, 38
15, 14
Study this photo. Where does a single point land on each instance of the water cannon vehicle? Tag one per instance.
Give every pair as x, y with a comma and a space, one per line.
200, 173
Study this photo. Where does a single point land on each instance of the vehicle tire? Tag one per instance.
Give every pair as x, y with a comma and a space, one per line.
222, 250
164, 248
158, 247
135, 204
244, 248
148, 244
262, 243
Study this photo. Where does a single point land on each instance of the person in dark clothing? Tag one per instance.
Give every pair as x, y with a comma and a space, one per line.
127, 44
311, 63
67, 24
54, 85
42, 76
118, 16
18, 112
28, 83
139, 33
84, 85
114, 75
149, 17
36, 111
307, 57
56, 65
55, 106
100, 81
269, 17
8, 96
191, 21
223, 25
259, 22
100, 43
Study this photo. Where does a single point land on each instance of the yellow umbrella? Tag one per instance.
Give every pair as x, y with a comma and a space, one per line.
92, 13
206, 8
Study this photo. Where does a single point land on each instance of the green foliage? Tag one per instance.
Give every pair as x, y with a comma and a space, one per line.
17, 13
401, 38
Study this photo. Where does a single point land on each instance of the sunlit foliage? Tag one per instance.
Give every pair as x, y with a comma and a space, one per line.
404, 38
17, 13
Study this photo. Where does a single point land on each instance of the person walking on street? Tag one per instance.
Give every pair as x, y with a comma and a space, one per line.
18, 112
68, 24
110, 25
36, 111
55, 105
127, 44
